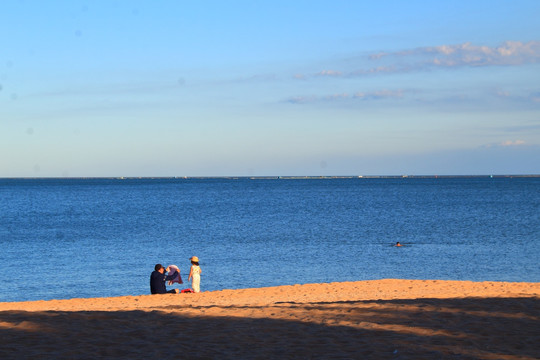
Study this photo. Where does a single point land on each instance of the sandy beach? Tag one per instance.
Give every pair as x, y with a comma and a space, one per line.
379, 319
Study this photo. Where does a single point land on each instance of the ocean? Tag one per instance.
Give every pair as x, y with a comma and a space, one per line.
79, 238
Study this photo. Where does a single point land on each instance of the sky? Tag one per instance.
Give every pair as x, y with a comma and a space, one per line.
276, 88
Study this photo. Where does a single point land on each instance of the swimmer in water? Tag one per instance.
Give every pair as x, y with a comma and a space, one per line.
398, 244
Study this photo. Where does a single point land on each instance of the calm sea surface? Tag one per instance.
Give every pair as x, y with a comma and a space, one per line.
66, 238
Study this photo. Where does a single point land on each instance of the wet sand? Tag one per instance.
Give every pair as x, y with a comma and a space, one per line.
379, 319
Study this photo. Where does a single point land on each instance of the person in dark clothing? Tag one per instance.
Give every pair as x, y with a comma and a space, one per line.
158, 278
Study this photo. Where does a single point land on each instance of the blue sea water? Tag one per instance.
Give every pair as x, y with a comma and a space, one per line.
71, 238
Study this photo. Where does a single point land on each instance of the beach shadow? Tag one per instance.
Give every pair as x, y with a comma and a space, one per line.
471, 328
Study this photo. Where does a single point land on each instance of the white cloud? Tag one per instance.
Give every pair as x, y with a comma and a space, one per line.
522, 97
337, 96
330, 73
512, 143
375, 70
381, 94
447, 56
301, 99
508, 53
372, 95
506, 143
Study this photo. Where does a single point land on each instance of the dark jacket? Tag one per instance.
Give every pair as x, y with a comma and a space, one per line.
157, 281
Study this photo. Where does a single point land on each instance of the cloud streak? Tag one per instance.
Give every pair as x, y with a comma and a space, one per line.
506, 144
509, 53
361, 96
513, 143
467, 54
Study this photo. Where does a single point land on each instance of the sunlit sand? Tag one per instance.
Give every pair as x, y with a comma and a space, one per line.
380, 319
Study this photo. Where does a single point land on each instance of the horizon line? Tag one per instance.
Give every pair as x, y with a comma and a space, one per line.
270, 177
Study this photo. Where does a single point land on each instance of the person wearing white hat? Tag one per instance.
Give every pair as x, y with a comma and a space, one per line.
195, 274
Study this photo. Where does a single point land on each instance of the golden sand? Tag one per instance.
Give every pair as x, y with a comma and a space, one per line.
379, 319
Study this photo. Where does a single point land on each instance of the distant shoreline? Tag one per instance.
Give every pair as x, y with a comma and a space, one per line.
301, 177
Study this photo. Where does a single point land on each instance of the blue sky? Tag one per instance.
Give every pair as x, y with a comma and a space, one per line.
244, 88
